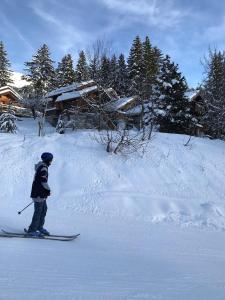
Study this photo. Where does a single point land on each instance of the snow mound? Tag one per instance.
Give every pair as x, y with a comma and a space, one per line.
172, 182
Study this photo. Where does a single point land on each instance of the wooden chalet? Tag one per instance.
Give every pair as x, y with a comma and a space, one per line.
71, 96
11, 99
8, 96
197, 110
108, 95
126, 111
78, 96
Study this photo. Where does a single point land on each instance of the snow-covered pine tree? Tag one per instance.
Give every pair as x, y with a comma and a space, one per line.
151, 60
82, 69
113, 72
60, 127
7, 122
65, 73
213, 93
171, 106
40, 72
104, 73
122, 77
94, 69
135, 67
29, 100
5, 72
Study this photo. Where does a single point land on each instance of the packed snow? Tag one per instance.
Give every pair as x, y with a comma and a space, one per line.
152, 225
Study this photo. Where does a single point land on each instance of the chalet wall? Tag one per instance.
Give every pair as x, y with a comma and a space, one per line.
79, 108
78, 102
4, 99
7, 99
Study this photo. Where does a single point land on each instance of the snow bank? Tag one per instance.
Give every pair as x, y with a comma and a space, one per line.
170, 183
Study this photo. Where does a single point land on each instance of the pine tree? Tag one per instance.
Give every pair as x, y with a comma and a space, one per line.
7, 122
82, 69
214, 91
40, 72
135, 67
65, 73
60, 127
5, 72
151, 59
122, 77
171, 106
104, 73
113, 72
94, 69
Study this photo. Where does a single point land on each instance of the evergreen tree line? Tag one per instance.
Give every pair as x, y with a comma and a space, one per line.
146, 73
213, 91
135, 76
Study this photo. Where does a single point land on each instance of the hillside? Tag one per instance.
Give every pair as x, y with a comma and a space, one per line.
171, 182
151, 226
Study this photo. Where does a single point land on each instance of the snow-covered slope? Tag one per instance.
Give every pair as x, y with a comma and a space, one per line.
171, 182
128, 211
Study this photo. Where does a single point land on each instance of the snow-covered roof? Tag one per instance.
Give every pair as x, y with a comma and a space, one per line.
50, 109
191, 94
84, 83
134, 111
69, 88
47, 99
111, 93
8, 89
61, 90
76, 94
68, 96
118, 104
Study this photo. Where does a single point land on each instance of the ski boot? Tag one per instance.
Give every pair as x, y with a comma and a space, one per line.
44, 231
36, 234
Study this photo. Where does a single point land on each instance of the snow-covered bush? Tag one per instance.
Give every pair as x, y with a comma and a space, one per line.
67, 120
7, 122
123, 141
60, 127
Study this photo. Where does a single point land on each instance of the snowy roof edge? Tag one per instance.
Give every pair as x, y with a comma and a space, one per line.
7, 88
69, 88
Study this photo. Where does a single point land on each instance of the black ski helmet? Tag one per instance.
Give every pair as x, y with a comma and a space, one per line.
47, 157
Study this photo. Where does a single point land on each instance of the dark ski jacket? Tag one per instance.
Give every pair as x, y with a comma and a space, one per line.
40, 187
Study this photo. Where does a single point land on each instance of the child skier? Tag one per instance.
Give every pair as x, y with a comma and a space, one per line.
39, 193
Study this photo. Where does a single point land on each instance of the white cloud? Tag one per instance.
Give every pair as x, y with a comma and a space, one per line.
67, 33
158, 13
17, 80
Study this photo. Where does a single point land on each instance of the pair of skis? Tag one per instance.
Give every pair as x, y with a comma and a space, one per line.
53, 237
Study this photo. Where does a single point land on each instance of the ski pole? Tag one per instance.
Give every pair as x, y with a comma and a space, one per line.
19, 212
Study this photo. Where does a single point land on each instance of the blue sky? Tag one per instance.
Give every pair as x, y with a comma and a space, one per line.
184, 29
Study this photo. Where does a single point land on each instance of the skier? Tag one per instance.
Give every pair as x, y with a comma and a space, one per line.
39, 193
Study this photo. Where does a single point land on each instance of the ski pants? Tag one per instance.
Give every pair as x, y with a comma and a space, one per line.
38, 220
